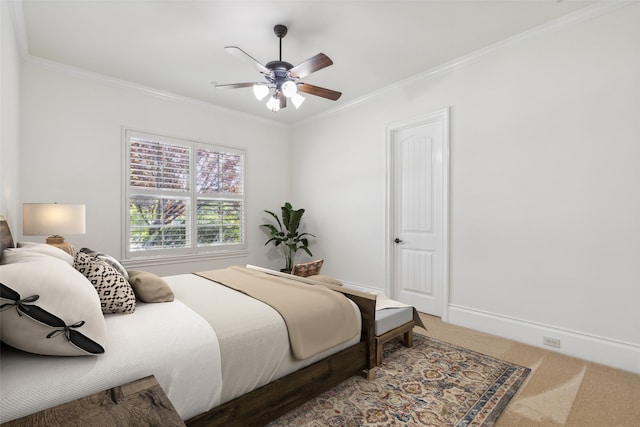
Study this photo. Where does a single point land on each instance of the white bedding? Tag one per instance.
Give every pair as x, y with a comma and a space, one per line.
253, 338
169, 341
197, 368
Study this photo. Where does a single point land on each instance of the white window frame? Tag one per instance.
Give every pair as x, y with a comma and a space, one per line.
192, 252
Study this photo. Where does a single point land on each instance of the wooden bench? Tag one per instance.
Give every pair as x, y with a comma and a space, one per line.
392, 323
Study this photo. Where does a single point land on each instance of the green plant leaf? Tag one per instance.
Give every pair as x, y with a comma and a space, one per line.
294, 221
270, 240
276, 218
271, 228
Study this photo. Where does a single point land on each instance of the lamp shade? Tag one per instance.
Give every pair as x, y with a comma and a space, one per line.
260, 91
44, 219
273, 104
297, 100
289, 89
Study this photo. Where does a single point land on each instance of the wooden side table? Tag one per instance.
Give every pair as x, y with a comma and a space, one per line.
138, 403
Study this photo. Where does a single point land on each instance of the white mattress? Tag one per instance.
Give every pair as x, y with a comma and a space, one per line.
168, 340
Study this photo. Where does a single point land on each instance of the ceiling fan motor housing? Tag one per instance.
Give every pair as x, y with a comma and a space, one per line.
279, 73
279, 66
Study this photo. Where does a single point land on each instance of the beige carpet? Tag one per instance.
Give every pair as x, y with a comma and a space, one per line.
560, 390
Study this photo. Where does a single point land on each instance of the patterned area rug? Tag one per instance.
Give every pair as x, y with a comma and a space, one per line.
431, 384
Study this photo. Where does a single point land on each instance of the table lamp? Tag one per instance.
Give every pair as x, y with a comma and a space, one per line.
53, 219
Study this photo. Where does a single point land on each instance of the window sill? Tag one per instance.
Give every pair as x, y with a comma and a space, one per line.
181, 259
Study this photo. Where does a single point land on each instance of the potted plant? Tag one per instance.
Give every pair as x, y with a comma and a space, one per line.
286, 234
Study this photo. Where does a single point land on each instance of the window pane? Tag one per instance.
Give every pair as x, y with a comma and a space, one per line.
168, 178
219, 222
159, 165
158, 223
218, 172
231, 173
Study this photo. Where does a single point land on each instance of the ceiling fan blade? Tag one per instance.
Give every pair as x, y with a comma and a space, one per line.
311, 65
234, 50
319, 91
236, 85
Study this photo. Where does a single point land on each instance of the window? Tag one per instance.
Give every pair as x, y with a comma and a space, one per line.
182, 197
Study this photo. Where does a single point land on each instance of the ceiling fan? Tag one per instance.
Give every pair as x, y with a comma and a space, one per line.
281, 79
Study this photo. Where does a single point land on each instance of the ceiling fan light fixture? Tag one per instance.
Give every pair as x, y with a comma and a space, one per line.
273, 104
260, 91
289, 88
297, 100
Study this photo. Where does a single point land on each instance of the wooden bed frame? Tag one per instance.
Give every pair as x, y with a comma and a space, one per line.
272, 400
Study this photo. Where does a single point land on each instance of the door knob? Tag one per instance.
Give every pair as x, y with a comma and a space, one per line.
397, 240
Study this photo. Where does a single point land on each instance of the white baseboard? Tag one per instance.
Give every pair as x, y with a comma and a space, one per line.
614, 353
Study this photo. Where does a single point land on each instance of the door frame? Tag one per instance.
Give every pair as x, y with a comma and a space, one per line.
443, 115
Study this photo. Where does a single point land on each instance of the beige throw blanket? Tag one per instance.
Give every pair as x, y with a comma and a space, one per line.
316, 317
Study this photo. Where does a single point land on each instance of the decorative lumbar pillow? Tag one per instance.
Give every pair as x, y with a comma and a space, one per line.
108, 259
149, 287
307, 268
48, 308
115, 292
325, 279
30, 251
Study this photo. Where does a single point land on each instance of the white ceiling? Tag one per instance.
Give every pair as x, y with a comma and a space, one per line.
177, 46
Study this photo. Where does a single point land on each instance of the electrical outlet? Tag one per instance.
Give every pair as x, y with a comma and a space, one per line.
551, 342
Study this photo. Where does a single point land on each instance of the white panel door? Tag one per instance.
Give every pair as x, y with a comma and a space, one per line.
419, 195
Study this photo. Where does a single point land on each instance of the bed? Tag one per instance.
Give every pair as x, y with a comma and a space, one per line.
202, 348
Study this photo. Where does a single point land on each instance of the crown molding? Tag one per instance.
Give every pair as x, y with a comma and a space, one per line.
598, 9
20, 32
91, 76
589, 12
17, 16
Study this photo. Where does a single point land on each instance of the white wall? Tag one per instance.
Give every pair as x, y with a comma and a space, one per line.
9, 118
545, 186
545, 198
71, 152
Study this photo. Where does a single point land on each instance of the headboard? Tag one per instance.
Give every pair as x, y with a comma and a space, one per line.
6, 240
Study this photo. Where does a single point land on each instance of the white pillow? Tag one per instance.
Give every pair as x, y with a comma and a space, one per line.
30, 251
59, 313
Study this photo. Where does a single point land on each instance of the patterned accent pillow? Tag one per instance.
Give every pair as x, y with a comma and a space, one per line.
115, 292
108, 259
307, 268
